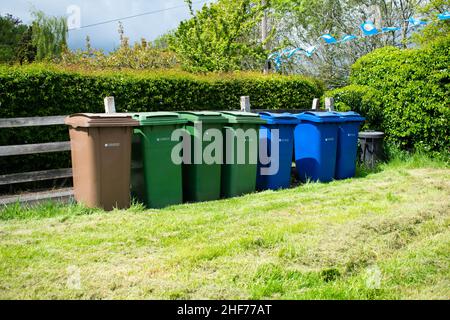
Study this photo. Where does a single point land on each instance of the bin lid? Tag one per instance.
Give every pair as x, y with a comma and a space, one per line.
242, 117
158, 118
100, 120
350, 116
371, 135
279, 118
203, 116
319, 117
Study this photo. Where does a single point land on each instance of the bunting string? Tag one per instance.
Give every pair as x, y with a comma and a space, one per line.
368, 29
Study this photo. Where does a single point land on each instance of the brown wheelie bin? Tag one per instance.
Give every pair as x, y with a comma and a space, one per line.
101, 158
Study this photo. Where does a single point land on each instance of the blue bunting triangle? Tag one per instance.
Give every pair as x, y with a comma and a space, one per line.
444, 16
328, 38
369, 29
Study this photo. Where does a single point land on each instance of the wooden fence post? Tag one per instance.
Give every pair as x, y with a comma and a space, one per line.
329, 104
315, 105
110, 105
245, 104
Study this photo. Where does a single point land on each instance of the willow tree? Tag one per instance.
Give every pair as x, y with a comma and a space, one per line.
49, 36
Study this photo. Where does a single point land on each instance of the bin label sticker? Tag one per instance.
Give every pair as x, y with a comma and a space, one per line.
163, 139
352, 135
329, 139
112, 145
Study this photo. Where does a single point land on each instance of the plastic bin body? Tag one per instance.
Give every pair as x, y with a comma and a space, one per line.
240, 178
347, 148
372, 151
316, 146
156, 180
201, 182
285, 124
101, 159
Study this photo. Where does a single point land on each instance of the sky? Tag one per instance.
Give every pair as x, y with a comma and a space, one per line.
93, 11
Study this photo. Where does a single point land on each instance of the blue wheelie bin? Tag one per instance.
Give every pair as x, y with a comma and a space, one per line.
285, 124
316, 145
347, 147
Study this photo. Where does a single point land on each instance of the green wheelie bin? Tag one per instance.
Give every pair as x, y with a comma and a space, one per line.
239, 170
156, 180
201, 179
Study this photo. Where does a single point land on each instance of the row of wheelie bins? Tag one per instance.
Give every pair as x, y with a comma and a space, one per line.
166, 166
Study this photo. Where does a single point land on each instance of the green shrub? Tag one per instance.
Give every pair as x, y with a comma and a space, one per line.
362, 99
42, 90
410, 90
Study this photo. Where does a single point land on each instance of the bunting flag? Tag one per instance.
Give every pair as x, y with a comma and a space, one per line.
368, 29
272, 56
417, 22
289, 53
347, 38
328, 38
444, 16
294, 51
285, 52
310, 51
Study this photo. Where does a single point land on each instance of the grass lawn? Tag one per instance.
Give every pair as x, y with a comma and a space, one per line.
381, 236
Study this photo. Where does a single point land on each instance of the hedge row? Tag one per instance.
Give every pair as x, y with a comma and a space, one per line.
362, 99
404, 93
42, 90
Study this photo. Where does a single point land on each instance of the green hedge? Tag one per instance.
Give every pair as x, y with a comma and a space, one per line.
405, 93
362, 99
42, 90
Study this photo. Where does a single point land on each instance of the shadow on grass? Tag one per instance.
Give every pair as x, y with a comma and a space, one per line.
50, 209
46, 209
362, 170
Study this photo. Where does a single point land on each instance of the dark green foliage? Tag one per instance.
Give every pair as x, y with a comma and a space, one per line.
329, 275
408, 90
42, 90
362, 99
11, 33
26, 51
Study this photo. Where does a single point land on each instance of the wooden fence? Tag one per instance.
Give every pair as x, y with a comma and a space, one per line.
35, 176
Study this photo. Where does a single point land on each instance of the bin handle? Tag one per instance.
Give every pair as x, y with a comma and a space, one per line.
139, 131
370, 150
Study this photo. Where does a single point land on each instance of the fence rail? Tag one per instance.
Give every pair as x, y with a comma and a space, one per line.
35, 176
31, 122
63, 195
38, 148
24, 149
